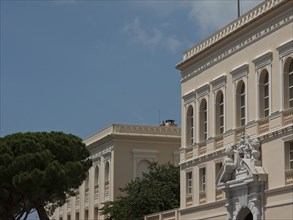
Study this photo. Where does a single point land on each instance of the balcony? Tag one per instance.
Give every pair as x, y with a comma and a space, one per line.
202, 148
238, 132
96, 195
188, 201
288, 117
219, 141
202, 197
77, 202
219, 194
263, 126
289, 177
107, 190
188, 153
86, 197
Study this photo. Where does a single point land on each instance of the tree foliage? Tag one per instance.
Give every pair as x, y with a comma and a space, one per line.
155, 191
38, 170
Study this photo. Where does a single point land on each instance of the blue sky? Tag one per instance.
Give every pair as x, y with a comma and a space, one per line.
79, 66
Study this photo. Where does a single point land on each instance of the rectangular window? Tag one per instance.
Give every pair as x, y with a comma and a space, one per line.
202, 179
189, 183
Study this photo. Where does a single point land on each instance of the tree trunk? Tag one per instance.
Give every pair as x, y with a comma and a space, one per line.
41, 211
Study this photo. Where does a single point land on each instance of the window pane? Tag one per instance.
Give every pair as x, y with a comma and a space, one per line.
266, 103
266, 90
242, 112
290, 79
291, 165
221, 110
242, 122
291, 93
242, 100
291, 156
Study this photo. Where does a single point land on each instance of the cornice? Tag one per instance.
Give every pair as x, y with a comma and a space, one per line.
134, 130
237, 24
191, 68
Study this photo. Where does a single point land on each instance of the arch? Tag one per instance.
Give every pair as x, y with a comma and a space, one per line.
264, 98
244, 214
219, 111
203, 120
288, 83
190, 126
240, 104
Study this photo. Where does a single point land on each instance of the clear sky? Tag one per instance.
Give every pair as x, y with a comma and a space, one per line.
79, 66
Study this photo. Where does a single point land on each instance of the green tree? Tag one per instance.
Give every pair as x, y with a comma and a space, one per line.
155, 191
38, 170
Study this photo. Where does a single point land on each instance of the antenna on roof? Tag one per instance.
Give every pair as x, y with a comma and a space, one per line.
159, 116
238, 6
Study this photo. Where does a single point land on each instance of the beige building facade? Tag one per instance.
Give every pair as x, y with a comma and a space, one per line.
119, 153
236, 155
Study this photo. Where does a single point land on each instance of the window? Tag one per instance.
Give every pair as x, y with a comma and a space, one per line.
86, 183
190, 126
107, 173
189, 183
290, 156
97, 176
219, 113
202, 179
288, 83
289, 162
203, 120
240, 104
264, 101
218, 168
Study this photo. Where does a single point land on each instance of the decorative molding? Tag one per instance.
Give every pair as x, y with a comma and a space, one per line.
201, 159
263, 60
219, 82
239, 72
202, 90
285, 49
234, 47
237, 24
189, 97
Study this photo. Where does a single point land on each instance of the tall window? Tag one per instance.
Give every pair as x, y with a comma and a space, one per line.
107, 173
288, 83
189, 183
203, 120
86, 183
202, 179
290, 86
264, 102
190, 126
240, 104
97, 176
290, 159
219, 113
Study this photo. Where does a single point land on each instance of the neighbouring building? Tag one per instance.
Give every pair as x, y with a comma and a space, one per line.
119, 153
236, 154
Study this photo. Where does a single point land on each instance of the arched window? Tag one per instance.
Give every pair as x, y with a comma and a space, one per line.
107, 173
203, 111
264, 99
189, 126
97, 174
219, 113
288, 83
240, 104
